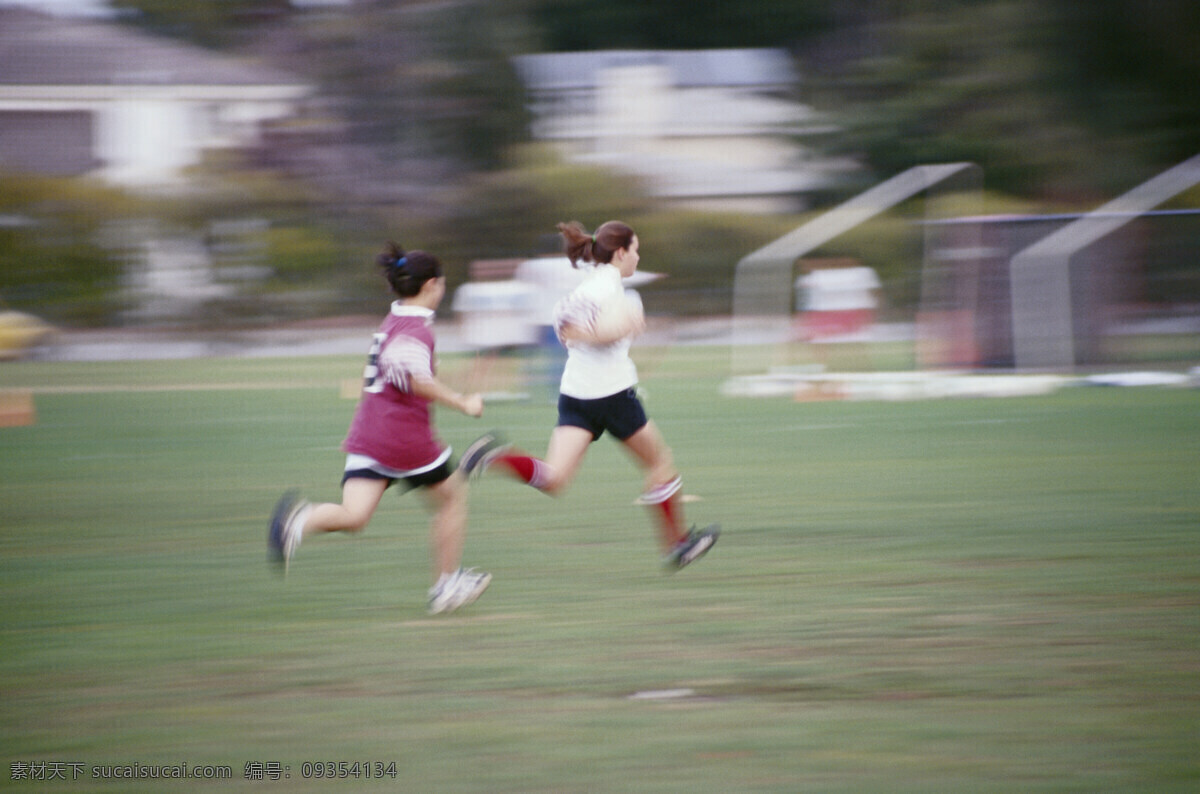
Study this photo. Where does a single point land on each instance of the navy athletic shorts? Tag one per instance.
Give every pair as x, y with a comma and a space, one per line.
620, 414
431, 477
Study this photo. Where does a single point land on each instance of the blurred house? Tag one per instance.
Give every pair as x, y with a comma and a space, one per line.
87, 97
714, 129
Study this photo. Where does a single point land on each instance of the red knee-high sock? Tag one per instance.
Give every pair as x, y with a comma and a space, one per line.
526, 468
665, 505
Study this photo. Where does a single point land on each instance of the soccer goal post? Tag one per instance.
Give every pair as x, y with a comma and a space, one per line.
762, 288
1044, 332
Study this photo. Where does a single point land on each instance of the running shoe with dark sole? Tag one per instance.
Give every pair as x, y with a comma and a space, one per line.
279, 545
480, 453
692, 547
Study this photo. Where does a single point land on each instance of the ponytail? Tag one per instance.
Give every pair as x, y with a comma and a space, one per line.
597, 247
406, 273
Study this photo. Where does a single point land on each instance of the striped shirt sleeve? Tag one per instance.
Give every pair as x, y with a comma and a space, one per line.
404, 359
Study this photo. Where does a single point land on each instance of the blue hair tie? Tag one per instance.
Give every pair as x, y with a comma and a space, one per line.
402, 261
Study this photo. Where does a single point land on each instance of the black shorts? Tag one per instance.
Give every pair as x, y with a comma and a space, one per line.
620, 414
431, 477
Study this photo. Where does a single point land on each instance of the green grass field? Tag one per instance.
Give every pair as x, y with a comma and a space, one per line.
974, 595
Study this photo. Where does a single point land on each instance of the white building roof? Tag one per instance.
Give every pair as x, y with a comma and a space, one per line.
41, 50
744, 68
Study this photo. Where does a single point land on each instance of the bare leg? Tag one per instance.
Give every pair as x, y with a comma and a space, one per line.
448, 502
565, 453
360, 498
662, 485
555, 472
652, 453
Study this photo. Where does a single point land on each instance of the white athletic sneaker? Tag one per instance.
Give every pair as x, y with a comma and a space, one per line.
287, 522
459, 589
293, 531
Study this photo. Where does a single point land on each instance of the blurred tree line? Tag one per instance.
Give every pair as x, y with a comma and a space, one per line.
422, 131
1049, 96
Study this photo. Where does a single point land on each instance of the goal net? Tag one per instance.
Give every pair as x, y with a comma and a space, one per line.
763, 302
1048, 277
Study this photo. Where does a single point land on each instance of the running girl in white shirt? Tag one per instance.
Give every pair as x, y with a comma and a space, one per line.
598, 393
392, 439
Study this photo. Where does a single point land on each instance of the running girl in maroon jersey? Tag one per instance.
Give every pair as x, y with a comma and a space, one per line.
392, 439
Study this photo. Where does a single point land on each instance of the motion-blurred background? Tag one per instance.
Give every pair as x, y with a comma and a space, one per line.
236, 164
838, 200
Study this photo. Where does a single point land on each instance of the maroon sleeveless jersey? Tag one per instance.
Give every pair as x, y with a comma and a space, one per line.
393, 425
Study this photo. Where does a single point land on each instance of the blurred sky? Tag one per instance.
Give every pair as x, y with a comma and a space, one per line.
99, 8
64, 7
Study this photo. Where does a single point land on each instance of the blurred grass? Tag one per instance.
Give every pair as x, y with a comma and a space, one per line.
951, 595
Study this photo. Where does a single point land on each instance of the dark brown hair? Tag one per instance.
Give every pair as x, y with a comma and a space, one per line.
597, 247
407, 272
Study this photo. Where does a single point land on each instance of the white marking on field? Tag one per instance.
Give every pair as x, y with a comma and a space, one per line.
980, 421
889, 386
663, 694
686, 498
